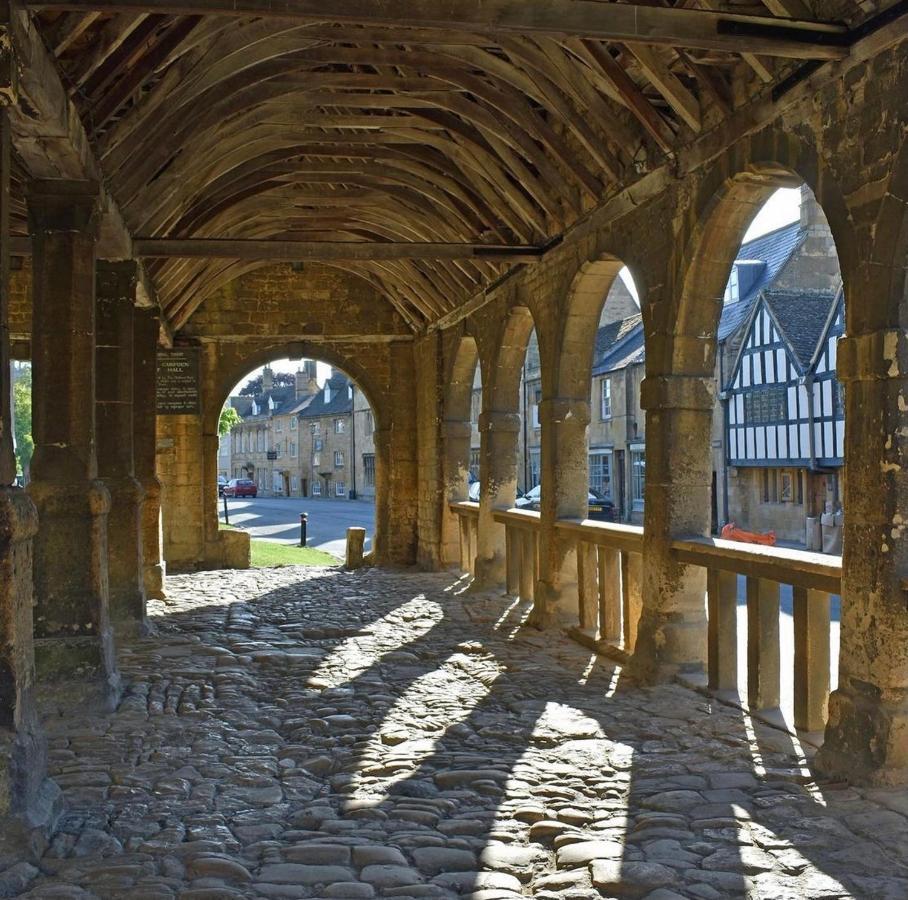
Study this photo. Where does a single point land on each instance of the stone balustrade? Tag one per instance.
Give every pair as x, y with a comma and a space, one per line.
610, 565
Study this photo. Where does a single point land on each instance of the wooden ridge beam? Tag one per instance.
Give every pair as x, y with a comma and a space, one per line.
693, 28
301, 251
313, 251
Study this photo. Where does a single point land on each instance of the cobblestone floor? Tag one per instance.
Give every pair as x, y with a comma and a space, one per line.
313, 733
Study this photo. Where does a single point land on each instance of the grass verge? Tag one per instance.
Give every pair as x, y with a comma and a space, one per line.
267, 554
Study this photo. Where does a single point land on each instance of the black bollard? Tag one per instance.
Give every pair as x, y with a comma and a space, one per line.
226, 514
304, 521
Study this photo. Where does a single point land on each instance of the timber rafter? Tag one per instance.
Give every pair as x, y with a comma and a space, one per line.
225, 124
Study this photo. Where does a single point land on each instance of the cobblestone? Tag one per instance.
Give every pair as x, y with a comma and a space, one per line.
306, 733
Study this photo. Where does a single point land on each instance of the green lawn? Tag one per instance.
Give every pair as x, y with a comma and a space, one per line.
266, 554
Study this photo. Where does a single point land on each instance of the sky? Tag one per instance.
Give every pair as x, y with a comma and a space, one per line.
781, 208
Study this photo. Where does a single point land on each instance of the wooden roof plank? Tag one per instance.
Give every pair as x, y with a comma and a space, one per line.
701, 29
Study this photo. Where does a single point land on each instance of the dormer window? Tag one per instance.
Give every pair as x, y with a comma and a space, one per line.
327, 393
732, 293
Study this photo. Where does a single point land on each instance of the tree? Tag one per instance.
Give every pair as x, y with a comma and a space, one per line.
229, 418
22, 415
254, 385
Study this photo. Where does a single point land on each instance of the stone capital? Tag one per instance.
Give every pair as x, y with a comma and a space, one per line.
564, 411
665, 392
60, 206
874, 356
499, 421
455, 428
117, 281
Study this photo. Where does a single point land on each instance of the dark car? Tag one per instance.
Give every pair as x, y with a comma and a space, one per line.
600, 508
222, 483
241, 487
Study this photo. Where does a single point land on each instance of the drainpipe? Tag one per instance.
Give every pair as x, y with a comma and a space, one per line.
723, 395
352, 494
807, 381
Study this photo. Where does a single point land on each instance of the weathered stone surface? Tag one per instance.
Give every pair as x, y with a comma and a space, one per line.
218, 778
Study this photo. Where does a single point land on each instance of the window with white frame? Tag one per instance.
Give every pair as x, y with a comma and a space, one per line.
534, 410
340, 489
339, 426
316, 427
601, 474
370, 422
316, 459
338, 459
292, 449
316, 488
261, 440
474, 462
732, 292
638, 476
294, 483
245, 442
369, 469
278, 424
318, 444
293, 422
605, 399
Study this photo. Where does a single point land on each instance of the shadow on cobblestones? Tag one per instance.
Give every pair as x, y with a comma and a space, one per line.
316, 733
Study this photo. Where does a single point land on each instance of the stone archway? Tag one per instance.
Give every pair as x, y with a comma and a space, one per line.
457, 434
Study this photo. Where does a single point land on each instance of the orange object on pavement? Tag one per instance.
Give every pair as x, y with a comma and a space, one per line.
731, 532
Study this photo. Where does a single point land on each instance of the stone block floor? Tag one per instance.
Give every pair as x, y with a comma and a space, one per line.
299, 733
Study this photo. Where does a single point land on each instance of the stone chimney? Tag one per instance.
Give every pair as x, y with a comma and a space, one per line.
267, 380
815, 264
306, 383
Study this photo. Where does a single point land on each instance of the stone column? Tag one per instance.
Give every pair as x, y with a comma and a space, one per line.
672, 634
867, 732
456, 437
27, 798
116, 292
380, 552
565, 492
498, 433
146, 328
73, 638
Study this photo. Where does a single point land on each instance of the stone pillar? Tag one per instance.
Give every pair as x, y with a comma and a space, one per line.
672, 634
116, 292
498, 433
146, 328
73, 639
867, 732
456, 438
380, 553
27, 798
565, 492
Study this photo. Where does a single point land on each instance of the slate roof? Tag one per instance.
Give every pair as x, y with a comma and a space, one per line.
618, 344
774, 248
339, 404
801, 317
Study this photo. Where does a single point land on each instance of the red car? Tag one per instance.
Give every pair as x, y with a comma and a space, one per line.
241, 487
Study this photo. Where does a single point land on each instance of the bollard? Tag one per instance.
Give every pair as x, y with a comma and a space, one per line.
304, 524
226, 514
356, 539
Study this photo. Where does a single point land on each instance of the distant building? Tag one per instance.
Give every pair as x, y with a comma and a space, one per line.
778, 424
303, 440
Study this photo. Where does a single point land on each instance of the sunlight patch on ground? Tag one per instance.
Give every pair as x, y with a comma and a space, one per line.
355, 655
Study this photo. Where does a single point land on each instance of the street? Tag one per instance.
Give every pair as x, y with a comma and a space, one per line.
278, 519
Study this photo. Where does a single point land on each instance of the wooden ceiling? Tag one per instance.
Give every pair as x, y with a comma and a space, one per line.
448, 124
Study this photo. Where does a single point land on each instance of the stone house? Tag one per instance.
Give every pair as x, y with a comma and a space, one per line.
302, 440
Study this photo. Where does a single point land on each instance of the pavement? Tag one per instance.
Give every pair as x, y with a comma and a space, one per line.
315, 733
278, 519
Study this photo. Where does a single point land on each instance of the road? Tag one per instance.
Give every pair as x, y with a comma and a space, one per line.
278, 519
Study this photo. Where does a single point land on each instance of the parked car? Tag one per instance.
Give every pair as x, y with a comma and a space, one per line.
598, 507
241, 487
474, 490
222, 483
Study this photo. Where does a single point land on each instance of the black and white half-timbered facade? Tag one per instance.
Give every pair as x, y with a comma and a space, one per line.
784, 408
